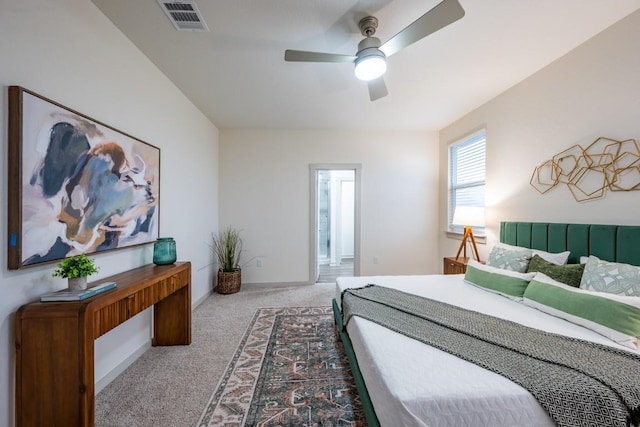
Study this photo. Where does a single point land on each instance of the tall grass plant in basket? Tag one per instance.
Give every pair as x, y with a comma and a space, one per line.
227, 248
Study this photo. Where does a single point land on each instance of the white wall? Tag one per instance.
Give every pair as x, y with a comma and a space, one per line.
264, 191
592, 91
66, 50
347, 217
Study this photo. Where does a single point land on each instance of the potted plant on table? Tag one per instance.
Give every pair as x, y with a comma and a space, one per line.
76, 269
227, 247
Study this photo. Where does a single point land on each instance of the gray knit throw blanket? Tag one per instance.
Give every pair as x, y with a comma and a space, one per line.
577, 382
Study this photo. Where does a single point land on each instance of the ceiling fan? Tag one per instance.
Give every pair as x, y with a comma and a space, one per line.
371, 58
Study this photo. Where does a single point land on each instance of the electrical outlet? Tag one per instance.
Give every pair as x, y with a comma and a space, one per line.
376, 259
259, 262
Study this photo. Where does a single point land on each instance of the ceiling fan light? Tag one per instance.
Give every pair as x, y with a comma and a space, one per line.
370, 67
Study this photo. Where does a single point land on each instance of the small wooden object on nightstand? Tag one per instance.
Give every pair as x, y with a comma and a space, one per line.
453, 265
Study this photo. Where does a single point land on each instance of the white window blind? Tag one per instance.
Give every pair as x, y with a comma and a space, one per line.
467, 166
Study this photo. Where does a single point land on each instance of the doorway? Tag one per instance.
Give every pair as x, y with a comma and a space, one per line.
334, 236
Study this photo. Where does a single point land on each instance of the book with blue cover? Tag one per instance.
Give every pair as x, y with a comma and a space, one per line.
77, 295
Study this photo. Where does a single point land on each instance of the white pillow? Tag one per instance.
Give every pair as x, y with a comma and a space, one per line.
616, 317
559, 258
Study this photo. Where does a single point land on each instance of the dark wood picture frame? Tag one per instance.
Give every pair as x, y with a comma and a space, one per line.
75, 185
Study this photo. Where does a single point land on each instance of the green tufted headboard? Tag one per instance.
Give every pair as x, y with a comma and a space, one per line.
618, 243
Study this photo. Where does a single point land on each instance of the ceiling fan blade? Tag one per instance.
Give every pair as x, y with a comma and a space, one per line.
305, 56
377, 89
439, 17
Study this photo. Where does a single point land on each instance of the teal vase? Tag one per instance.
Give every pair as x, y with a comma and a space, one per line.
164, 251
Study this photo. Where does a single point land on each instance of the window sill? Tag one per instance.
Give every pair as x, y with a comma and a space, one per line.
482, 240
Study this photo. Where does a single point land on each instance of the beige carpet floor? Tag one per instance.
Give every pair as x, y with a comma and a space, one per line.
170, 386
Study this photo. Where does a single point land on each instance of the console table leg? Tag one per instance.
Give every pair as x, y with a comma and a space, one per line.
172, 319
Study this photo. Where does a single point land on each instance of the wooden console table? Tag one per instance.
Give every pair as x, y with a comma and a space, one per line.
55, 341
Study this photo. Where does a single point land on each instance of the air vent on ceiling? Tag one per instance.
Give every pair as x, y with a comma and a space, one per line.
184, 15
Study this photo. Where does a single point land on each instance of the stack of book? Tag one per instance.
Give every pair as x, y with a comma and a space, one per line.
77, 295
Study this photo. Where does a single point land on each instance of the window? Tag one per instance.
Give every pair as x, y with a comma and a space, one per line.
467, 160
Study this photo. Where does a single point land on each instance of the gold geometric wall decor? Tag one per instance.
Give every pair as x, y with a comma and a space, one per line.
545, 176
589, 172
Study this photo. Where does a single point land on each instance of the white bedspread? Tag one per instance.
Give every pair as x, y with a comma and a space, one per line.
413, 384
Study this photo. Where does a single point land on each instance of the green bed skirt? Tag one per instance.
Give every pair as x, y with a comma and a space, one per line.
367, 406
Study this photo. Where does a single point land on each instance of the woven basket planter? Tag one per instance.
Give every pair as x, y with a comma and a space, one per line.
228, 281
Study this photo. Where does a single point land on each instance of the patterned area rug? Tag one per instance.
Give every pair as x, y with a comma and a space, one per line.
289, 370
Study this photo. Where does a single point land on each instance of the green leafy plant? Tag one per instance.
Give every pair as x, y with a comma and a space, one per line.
76, 266
227, 247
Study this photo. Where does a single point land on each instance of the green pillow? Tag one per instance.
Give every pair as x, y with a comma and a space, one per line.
614, 316
510, 284
570, 274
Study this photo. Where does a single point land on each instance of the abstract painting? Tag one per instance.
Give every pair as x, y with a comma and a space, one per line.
75, 185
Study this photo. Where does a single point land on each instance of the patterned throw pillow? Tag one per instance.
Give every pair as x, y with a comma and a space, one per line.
570, 274
510, 259
559, 258
611, 277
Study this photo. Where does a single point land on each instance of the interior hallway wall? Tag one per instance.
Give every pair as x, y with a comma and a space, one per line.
68, 51
590, 92
264, 192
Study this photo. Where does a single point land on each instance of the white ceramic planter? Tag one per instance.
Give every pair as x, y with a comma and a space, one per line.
78, 283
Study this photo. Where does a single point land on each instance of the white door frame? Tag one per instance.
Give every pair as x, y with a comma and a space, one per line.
313, 215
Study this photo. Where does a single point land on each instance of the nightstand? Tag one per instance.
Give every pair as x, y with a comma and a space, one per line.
453, 265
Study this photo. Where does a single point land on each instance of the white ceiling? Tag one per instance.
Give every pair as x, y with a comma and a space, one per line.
236, 73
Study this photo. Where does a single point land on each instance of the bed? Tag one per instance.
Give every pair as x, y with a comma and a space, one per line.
403, 382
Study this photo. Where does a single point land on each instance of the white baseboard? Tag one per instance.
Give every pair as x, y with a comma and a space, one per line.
264, 285
113, 374
200, 300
